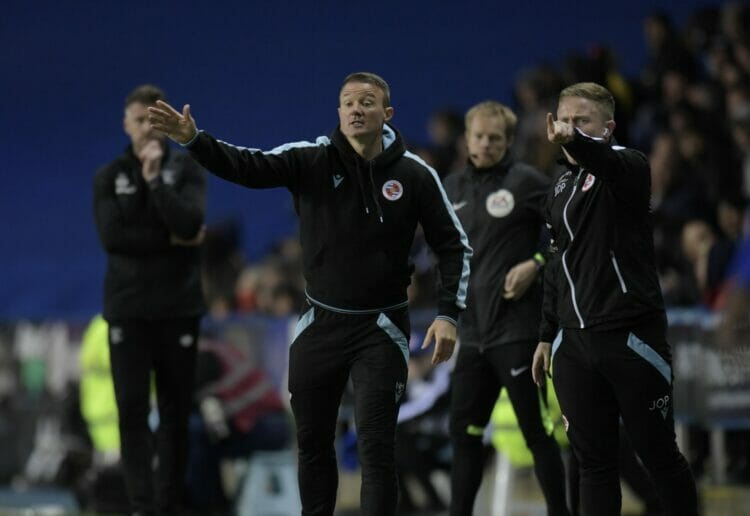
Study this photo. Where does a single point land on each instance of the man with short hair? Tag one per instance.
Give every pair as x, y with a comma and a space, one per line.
603, 308
500, 204
149, 207
359, 196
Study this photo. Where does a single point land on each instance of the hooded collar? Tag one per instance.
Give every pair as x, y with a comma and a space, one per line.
393, 146
363, 170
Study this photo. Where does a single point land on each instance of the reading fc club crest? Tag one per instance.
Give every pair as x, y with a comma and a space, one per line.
588, 183
500, 203
393, 190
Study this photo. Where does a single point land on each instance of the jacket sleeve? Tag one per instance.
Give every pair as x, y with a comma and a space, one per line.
115, 232
626, 170
249, 167
550, 322
445, 236
182, 210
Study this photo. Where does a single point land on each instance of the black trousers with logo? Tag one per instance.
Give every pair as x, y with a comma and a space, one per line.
477, 380
602, 376
168, 349
328, 348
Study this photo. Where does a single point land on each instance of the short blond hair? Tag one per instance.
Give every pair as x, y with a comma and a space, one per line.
493, 108
594, 92
372, 79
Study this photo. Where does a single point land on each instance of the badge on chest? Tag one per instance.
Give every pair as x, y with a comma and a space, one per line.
500, 203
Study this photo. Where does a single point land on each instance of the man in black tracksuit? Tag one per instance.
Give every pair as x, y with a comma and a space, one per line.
500, 205
359, 196
603, 309
148, 207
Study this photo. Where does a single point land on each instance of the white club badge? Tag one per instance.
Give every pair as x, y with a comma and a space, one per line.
500, 203
588, 183
393, 190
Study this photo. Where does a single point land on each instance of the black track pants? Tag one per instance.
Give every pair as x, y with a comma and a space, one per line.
168, 349
477, 380
327, 349
601, 376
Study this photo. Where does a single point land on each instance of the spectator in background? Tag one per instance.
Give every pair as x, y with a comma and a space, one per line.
222, 263
239, 411
422, 442
500, 203
676, 196
149, 207
446, 130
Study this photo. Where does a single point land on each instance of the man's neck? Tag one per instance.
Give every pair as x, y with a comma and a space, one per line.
367, 147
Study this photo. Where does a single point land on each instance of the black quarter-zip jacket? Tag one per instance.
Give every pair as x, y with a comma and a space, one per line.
357, 217
601, 273
502, 211
148, 277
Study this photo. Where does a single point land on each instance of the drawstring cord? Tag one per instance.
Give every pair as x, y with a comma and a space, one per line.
361, 187
375, 196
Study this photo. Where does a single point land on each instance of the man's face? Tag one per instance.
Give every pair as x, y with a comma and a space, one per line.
361, 110
138, 128
586, 115
486, 140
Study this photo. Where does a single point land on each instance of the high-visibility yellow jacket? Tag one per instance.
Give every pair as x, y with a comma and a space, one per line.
97, 392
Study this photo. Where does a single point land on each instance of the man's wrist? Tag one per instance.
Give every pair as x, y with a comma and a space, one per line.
539, 260
192, 139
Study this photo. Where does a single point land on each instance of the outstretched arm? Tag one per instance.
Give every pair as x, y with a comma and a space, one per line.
180, 127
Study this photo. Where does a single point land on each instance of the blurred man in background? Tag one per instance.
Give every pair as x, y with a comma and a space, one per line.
149, 208
500, 204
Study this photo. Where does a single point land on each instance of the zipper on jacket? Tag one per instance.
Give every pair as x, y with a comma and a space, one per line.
617, 271
565, 265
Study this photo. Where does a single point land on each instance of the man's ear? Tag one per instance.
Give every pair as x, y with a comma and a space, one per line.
389, 111
609, 128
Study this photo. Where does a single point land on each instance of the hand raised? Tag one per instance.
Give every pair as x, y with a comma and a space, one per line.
559, 132
150, 156
180, 127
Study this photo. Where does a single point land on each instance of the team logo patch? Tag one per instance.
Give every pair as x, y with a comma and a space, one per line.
588, 183
115, 335
393, 190
500, 203
169, 176
123, 186
400, 387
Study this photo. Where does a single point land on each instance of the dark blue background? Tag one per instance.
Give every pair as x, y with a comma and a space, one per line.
256, 74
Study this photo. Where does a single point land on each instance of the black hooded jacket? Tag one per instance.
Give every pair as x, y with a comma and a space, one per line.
147, 276
601, 273
502, 210
357, 217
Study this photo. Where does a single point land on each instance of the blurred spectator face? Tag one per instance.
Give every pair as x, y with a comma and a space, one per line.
662, 159
742, 55
137, 126
673, 87
697, 239
731, 219
486, 140
654, 32
691, 145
